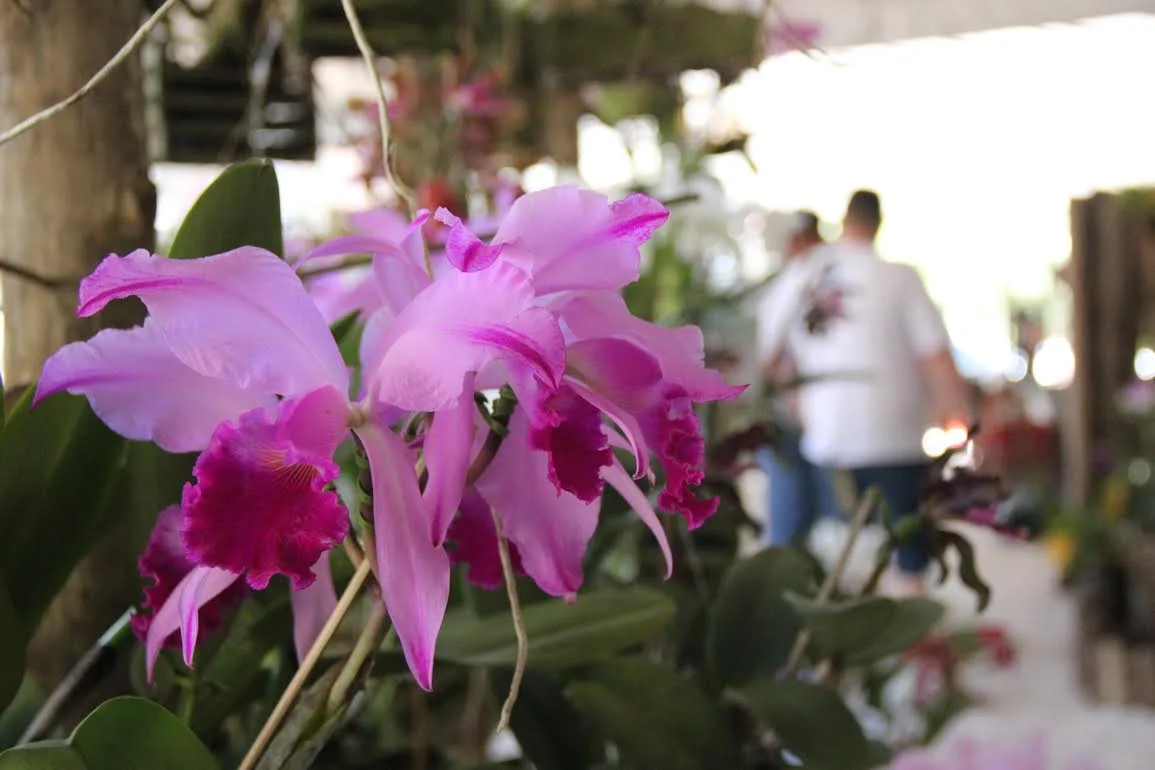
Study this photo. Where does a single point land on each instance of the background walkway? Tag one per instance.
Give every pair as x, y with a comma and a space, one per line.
1040, 695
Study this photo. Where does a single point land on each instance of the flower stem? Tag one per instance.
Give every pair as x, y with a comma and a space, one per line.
367, 643
269, 729
125, 51
862, 515
370, 58
518, 626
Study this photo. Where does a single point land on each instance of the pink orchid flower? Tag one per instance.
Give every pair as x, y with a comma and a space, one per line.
236, 362
580, 251
384, 234
565, 254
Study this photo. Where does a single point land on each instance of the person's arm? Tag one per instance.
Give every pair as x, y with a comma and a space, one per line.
779, 308
928, 338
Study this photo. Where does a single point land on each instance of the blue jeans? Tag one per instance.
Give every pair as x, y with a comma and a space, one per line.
899, 487
800, 493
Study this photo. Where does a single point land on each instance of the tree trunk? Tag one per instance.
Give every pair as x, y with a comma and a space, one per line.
76, 187
72, 190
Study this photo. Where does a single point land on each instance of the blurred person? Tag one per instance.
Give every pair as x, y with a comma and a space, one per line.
878, 358
798, 491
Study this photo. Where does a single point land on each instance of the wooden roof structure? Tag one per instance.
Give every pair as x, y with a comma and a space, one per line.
252, 92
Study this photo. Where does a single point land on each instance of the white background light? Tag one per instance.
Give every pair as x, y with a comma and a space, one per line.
1054, 366
1145, 364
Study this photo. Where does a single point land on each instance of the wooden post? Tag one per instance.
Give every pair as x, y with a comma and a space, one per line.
1106, 280
72, 190
76, 187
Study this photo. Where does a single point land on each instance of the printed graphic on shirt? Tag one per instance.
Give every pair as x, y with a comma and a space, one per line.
825, 302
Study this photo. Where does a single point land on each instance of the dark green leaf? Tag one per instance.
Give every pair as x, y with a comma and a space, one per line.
967, 568
945, 708
485, 602
657, 719
753, 627
551, 732
242, 207
129, 733
812, 722
12, 644
839, 629
25, 705
595, 626
306, 729
880, 754
155, 479
49, 755
231, 676
864, 631
58, 467
914, 618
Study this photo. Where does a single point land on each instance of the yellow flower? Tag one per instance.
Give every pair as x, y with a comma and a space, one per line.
1061, 547
1116, 497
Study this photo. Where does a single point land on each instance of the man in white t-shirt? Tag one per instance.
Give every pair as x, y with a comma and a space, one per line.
798, 491
869, 333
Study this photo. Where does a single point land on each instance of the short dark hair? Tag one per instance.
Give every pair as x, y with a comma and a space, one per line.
864, 208
806, 223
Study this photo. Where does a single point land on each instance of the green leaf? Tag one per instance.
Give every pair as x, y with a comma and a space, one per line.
552, 734
155, 479
231, 676
595, 626
968, 570
880, 754
864, 631
657, 719
12, 644
47, 755
59, 465
838, 629
129, 733
242, 207
306, 729
753, 627
811, 722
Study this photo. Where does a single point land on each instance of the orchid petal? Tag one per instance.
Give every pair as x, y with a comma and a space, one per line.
550, 530
399, 281
163, 565
628, 424
414, 574
573, 239
312, 607
474, 539
618, 369
389, 225
636, 218
620, 480
466, 251
673, 430
447, 451
243, 316
341, 292
260, 504
179, 612
680, 351
355, 244
571, 433
382, 222
142, 391
455, 327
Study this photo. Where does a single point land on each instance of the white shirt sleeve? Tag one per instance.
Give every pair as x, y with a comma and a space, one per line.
780, 308
921, 318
